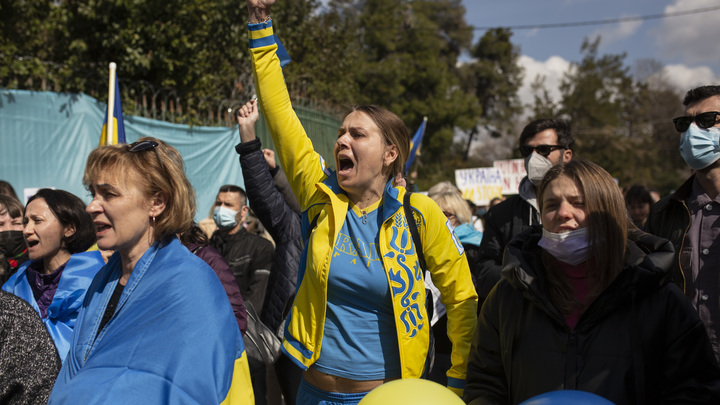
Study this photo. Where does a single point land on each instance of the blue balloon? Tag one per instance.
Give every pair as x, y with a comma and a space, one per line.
567, 397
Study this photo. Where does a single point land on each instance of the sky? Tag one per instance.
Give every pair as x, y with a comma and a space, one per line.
688, 46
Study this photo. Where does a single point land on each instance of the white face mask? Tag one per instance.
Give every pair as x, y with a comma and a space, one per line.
224, 217
568, 247
536, 166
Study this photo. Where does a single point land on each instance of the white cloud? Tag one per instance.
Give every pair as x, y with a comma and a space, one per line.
615, 32
684, 78
692, 38
553, 69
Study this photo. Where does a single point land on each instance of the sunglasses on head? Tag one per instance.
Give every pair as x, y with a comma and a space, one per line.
705, 120
140, 146
542, 150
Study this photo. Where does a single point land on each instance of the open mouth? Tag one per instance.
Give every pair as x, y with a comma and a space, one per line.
32, 243
101, 227
345, 165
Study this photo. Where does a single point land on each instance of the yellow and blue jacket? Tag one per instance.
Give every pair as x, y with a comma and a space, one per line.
321, 197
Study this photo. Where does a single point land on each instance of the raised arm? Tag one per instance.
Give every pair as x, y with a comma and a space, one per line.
304, 167
274, 213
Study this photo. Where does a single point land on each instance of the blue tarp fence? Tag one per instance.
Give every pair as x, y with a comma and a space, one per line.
45, 139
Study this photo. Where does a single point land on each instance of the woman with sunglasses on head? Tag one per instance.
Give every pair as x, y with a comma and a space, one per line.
156, 326
585, 304
57, 231
358, 318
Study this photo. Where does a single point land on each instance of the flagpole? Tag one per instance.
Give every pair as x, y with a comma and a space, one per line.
111, 104
417, 153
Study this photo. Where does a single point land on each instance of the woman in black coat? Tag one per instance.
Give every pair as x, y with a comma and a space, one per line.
585, 304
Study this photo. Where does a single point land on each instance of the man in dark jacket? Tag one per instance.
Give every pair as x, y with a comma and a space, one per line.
543, 143
248, 255
689, 217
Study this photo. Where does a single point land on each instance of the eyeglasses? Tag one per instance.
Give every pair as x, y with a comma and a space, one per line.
141, 146
704, 121
542, 150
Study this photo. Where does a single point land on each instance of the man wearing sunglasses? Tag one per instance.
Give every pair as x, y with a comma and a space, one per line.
543, 143
689, 218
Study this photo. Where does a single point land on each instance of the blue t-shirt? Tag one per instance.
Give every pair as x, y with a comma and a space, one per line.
359, 339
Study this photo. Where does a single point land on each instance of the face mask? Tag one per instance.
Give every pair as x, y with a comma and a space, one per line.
536, 166
12, 242
224, 217
569, 247
700, 147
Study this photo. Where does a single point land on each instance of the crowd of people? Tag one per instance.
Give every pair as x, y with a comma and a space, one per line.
573, 283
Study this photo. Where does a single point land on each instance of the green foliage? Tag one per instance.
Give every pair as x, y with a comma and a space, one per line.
621, 123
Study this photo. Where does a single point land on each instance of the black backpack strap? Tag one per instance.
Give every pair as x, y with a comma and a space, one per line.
414, 231
429, 307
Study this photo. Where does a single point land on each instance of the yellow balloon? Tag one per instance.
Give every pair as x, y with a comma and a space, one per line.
411, 392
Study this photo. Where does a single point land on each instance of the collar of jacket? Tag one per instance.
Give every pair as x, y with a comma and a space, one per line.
648, 259
392, 200
684, 191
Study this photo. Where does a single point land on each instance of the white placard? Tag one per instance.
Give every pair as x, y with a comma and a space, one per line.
479, 185
512, 171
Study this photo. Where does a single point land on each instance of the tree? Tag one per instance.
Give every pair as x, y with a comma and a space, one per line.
495, 76
620, 123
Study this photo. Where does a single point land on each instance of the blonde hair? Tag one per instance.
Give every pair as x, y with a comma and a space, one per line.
443, 187
160, 170
607, 223
454, 204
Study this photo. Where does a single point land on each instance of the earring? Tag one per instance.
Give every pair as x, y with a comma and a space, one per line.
151, 235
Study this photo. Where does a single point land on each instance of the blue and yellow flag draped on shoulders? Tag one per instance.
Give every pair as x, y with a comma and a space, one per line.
173, 338
117, 133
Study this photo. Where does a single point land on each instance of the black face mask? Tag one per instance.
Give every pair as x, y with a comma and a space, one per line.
12, 243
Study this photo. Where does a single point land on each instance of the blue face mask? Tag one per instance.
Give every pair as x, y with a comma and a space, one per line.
700, 147
224, 217
569, 247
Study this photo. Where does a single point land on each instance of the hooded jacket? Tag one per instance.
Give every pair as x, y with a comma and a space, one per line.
320, 196
639, 342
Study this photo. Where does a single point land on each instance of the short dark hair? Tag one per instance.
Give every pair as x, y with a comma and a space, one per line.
639, 194
561, 128
700, 93
70, 211
194, 235
231, 188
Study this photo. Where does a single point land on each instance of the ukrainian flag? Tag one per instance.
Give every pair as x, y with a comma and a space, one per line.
118, 133
415, 144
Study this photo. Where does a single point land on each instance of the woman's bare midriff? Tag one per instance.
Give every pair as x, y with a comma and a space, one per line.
332, 383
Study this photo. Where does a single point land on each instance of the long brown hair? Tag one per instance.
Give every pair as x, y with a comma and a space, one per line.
607, 224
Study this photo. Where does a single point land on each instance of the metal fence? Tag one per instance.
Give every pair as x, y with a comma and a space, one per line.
145, 99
